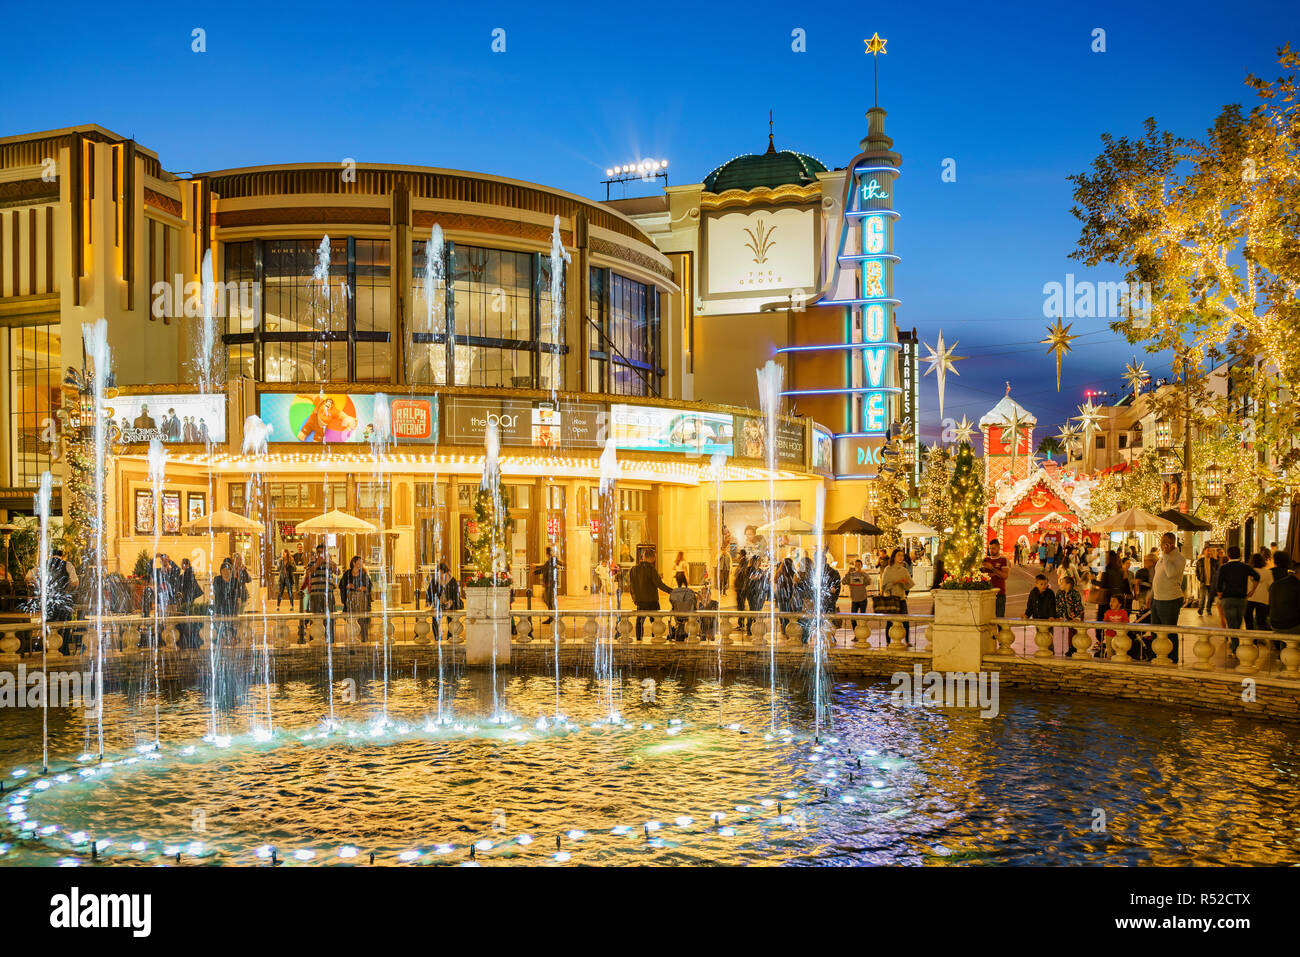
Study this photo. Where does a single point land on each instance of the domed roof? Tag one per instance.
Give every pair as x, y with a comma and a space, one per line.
771, 169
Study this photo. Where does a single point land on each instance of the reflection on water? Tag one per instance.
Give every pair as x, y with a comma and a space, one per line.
691, 776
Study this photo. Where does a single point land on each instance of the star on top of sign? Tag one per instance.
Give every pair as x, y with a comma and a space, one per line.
941, 361
1068, 437
876, 45
1058, 340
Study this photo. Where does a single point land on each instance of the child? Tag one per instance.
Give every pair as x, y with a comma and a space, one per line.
1116, 612
1042, 600
1069, 606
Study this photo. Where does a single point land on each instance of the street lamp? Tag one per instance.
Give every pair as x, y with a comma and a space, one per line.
1213, 483
1164, 433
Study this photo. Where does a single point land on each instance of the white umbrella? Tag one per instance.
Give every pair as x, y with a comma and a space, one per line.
1134, 520
787, 524
222, 520
337, 522
910, 529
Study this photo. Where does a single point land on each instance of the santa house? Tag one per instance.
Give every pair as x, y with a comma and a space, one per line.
1028, 503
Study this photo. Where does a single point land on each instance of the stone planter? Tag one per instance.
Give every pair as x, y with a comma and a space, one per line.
961, 621
487, 626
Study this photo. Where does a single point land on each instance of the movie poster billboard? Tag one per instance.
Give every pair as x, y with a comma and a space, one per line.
346, 417
650, 429
823, 453
535, 423
751, 441
178, 419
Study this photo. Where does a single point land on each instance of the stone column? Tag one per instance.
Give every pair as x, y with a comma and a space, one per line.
961, 619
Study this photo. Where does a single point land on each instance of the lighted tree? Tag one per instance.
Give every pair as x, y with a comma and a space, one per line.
489, 542
891, 495
1210, 225
936, 490
964, 550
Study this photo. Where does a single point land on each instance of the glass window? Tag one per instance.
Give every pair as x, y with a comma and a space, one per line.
320, 319
498, 317
34, 400
625, 348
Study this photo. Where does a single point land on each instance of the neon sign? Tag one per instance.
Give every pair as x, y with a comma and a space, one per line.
872, 190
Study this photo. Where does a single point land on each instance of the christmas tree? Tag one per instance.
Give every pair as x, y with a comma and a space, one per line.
964, 550
890, 495
936, 490
489, 540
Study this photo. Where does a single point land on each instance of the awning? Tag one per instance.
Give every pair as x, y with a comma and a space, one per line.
1185, 522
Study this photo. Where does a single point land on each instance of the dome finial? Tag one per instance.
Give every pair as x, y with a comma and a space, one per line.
771, 146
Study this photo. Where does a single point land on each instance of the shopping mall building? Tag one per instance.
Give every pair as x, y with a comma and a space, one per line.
436, 289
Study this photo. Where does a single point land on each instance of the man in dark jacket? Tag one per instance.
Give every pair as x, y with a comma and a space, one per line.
740, 579
1042, 600
757, 591
1284, 597
549, 572
646, 584
1232, 586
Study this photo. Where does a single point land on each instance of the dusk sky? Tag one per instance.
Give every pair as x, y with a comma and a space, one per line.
1014, 95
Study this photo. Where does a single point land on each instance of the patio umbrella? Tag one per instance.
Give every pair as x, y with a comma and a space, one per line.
787, 524
854, 526
337, 522
1134, 520
1185, 522
910, 529
222, 520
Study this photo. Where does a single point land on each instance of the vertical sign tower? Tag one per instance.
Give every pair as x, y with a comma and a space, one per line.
866, 254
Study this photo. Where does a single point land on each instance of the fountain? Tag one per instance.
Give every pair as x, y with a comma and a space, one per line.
770, 378
487, 599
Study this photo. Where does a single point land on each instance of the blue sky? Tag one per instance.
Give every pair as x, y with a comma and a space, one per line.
1013, 93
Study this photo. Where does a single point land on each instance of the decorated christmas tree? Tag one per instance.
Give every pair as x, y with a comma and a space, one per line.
489, 538
936, 490
964, 550
890, 496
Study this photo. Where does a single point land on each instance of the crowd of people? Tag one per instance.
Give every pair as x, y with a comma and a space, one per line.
1261, 595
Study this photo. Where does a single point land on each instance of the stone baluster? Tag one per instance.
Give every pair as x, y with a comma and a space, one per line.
658, 629
896, 635
1081, 643
9, 646
589, 628
1291, 657
1043, 639
862, 631
1161, 646
1119, 646
1005, 639
792, 633
422, 631
316, 634
1247, 654
692, 631
458, 635
1204, 651
626, 628
524, 629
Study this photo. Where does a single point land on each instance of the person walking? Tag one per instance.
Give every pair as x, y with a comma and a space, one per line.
1167, 587
995, 566
679, 569
286, 579
1207, 567
896, 582
785, 596
724, 571
1257, 600
225, 602
356, 587
739, 580
322, 579
1069, 607
240, 573
444, 595
646, 584
187, 593
857, 580
1232, 586
549, 572
1284, 599
758, 588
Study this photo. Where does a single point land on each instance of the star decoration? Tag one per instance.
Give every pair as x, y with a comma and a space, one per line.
963, 430
1069, 439
1011, 435
1136, 375
941, 361
875, 45
1058, 340
1090, 415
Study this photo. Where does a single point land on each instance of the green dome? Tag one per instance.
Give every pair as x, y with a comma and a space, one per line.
771, 169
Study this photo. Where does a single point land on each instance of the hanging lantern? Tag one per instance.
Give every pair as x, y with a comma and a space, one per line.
1164, 433
1213, 482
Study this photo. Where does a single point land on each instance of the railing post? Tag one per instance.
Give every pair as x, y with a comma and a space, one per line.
1247, 654
1291, 658
957, 636
1043, 639
1204, 651
1006, 639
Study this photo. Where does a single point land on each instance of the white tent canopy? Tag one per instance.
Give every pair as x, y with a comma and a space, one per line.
787, 524
337, 522
910, 529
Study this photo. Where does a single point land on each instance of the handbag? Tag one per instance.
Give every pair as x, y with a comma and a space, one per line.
1097, 596
886, 604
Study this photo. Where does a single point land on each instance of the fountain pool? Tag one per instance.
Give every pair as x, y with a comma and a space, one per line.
666, 785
